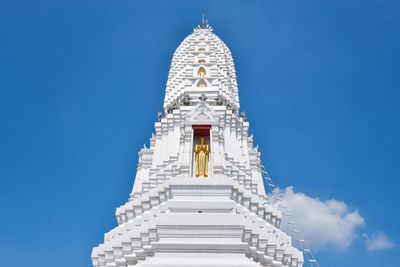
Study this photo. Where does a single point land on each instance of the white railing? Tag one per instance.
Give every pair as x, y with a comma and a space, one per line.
292, 225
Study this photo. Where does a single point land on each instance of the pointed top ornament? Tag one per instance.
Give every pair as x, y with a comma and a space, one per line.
159, 116
204, 24
203, 97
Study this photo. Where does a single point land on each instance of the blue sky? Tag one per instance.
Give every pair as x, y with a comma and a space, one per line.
81, 83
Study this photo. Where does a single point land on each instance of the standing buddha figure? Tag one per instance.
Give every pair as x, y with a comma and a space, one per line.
201, 156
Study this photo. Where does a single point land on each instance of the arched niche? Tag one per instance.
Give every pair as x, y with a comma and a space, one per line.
201, 83
201, 72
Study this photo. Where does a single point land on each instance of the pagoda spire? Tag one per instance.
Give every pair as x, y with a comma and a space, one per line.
198, 197
204, 23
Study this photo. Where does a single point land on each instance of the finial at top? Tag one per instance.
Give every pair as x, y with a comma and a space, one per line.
204, 24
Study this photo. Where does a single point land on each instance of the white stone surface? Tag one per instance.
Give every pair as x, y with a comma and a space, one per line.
175, 219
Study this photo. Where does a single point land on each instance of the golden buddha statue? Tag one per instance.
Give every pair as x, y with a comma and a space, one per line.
201, 157
202, 72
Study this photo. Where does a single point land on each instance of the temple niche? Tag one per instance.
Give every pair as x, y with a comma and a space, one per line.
201, 151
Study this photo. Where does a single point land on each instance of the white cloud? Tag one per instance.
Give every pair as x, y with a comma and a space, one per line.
323, 223
378, 241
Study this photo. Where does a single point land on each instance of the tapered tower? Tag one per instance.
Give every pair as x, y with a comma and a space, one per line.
198, 198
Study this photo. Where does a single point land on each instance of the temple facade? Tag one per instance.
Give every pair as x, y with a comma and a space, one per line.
198, 197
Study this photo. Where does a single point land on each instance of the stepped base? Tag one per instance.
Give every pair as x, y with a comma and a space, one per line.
198, 260
212, 222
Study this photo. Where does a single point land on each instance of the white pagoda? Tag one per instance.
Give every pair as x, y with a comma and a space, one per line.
198, 198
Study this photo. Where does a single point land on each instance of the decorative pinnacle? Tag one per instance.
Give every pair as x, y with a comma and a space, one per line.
159, 116
203, 97
204, 24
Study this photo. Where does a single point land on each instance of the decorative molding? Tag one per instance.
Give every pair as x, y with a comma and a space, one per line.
202, 113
